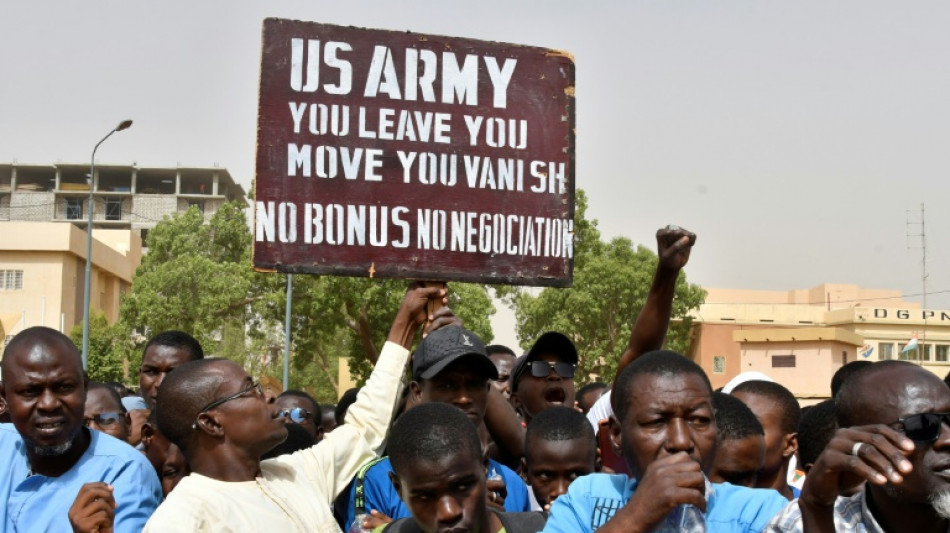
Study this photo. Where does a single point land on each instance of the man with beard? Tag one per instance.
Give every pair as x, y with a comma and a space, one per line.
49, 456
664, 426
893, 434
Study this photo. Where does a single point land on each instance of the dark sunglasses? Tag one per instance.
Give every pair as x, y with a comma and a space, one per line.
297, 415
924, 427
102, 419
541, 369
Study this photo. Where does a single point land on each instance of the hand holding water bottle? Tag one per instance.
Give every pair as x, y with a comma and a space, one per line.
672, 487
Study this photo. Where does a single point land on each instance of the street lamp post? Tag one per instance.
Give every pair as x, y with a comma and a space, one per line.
87, 289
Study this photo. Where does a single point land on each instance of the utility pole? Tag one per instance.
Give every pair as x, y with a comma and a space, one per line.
923, 272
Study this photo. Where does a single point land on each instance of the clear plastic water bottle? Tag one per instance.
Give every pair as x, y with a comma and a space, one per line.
684, 519
357, 525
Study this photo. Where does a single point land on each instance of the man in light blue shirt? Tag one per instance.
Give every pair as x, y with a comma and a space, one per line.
56, 474
663, 423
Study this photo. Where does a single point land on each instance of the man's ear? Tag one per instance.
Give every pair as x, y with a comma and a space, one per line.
320, 433
789, 445
524, 470
598, 460
515, 402
3, 395
208, 423
395, 481
415, 392
147, 434
615, 436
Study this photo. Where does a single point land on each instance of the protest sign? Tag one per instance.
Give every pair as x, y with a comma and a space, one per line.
395, 154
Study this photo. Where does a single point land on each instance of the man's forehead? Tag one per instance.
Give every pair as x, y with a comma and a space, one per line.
162, 354
102, 399
903, 392
41, 354
669, 391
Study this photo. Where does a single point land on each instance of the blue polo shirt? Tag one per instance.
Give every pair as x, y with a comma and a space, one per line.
379, 493
39, 503
592, 500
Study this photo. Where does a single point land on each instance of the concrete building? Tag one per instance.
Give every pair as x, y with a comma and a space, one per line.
42, 273
125, 196
801, 337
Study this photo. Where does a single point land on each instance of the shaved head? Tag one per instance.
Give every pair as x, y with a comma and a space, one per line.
38, 335
184, 393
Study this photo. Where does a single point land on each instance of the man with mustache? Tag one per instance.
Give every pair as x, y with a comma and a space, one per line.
49, 456
664, 426
893, 434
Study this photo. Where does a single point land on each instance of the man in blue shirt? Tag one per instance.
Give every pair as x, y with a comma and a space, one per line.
56, 474
450, 366
663, 423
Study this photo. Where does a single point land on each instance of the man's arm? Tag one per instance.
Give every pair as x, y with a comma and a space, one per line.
673, 247
334, 461
504, 425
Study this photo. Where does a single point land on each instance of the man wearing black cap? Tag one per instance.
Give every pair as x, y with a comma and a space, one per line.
450, 366
544, 377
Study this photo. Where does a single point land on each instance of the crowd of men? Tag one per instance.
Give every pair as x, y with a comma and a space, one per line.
462, 437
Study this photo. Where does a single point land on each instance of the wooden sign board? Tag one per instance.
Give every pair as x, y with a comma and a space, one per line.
395, 154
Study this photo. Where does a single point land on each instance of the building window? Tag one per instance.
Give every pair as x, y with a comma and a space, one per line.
73, 208
113, 209
886, 350
197, 203
719, 364
11, 280
925, 352
783, 361
942, 352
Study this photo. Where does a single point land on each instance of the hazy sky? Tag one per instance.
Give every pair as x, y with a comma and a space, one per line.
792, 137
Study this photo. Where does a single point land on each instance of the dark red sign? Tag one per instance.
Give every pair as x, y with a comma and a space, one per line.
394, 154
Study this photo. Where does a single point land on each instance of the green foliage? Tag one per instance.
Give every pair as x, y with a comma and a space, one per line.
197, 277
108, 349
350, 317
611, 282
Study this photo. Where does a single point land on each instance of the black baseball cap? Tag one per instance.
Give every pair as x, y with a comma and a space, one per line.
446, 345
551, 342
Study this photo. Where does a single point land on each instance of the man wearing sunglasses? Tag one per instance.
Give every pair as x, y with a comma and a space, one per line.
104, 411
893, 418
544, 377
298, 407
219, 418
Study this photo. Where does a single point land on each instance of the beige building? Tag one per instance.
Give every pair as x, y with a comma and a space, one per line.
124, 196
801, 337
42, 273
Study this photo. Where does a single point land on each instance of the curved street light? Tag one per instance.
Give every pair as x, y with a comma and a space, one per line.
86, 289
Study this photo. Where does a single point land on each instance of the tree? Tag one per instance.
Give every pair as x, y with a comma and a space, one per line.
350, 317
197, 277
108, 352
611, 281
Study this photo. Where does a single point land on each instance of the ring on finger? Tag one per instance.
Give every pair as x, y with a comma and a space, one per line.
856, 449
